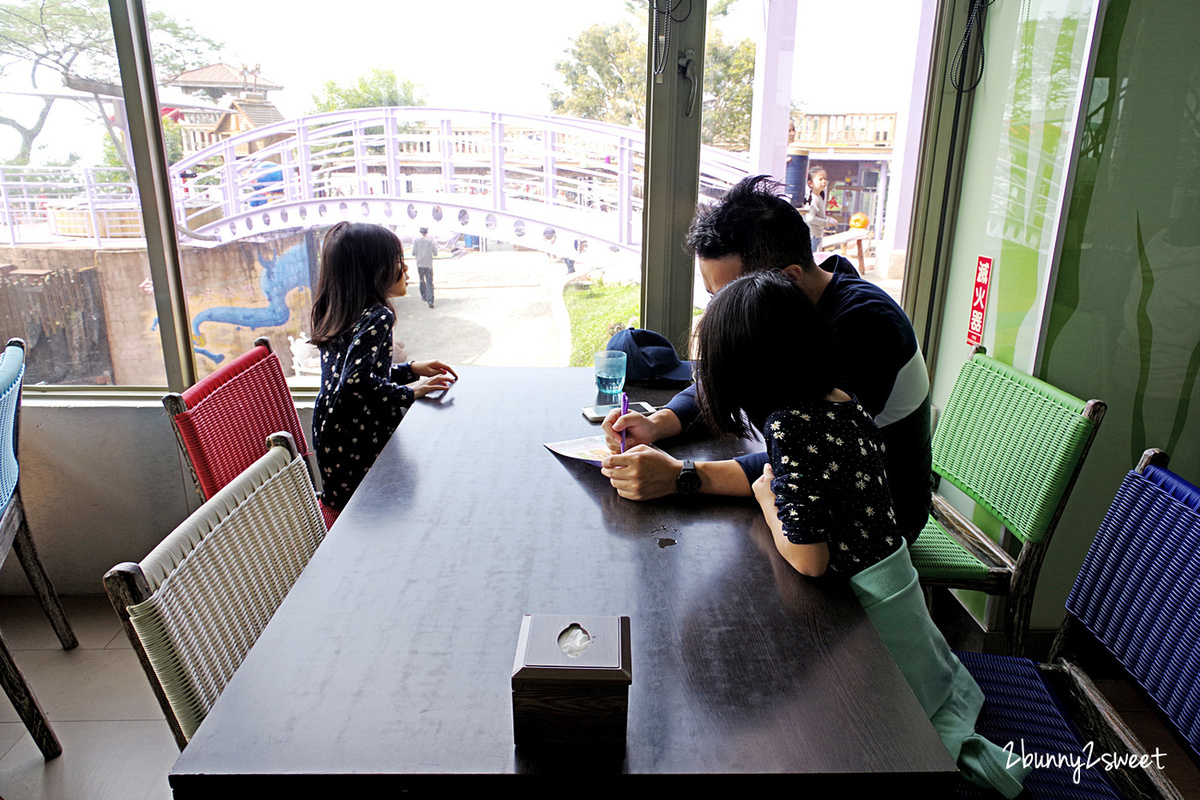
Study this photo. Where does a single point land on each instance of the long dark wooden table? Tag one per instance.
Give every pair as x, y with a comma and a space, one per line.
389, 663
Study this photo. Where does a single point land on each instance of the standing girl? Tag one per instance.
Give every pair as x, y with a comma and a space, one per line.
825, 494
814, 207
362, 397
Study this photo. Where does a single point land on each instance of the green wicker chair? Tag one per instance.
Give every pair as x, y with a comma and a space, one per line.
1014, 445
196, 604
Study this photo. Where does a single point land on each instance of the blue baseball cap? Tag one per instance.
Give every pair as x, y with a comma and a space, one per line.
649, 356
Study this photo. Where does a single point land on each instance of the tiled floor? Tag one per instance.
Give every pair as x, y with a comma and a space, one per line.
116, 745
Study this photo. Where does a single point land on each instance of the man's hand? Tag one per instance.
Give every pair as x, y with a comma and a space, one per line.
641, 472
639, 429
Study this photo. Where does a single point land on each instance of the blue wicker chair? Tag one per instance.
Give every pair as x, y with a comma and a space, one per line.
1138, 598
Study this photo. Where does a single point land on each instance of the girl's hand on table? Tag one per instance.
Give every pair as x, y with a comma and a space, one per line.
428, 369
434, 383
766, 498
807, 559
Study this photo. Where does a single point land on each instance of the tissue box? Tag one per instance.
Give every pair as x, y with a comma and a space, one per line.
571, 688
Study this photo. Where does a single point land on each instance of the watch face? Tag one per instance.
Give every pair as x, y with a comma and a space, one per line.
688, 481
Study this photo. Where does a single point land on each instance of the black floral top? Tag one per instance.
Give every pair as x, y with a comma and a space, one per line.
830, 484
360, 403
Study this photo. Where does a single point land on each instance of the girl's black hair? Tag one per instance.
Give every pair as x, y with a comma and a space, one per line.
359, 264
763, 346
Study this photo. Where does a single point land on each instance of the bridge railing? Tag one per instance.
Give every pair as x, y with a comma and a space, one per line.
500, 161
580, 177
39, 204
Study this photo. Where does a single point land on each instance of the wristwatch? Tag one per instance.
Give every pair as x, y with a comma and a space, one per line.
688, 481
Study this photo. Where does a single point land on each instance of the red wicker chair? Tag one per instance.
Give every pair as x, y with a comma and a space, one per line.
222, 421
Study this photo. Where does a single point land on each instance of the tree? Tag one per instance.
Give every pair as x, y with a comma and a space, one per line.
377, 89
74, 39
605, 80
605, 76
728, 92
112, 157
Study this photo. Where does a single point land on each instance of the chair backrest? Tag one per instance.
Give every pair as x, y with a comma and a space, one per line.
12, 371
222, 421
1138, 591
1012, 443
197, 603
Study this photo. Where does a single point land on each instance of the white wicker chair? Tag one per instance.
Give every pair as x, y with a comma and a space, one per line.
197, 603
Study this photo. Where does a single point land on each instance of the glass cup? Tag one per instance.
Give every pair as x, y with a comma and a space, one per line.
610, 371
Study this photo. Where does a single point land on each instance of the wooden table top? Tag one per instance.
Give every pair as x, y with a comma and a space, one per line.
390, 661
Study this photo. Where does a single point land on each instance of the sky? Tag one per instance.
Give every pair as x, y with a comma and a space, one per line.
500, 55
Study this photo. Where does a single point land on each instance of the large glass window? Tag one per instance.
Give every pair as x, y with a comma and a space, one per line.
513, 137
853, 81
74, 277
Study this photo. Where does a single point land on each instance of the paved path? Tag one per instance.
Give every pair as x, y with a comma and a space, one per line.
501, 308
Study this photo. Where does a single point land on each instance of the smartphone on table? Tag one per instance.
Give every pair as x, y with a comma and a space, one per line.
598, 413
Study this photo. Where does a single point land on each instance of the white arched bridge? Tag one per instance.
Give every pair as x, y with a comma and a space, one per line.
551, 183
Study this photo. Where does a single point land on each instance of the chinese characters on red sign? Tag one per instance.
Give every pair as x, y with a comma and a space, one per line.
983, 274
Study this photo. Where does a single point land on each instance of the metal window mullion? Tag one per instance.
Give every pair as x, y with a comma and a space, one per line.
671, 176
132, 39
938, 175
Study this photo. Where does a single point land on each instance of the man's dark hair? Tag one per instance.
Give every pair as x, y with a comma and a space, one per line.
752, 221
761, 324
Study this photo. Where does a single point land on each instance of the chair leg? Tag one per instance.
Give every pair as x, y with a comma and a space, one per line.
27, 705
27, 552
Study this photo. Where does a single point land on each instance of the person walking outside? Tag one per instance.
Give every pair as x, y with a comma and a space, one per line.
423, 250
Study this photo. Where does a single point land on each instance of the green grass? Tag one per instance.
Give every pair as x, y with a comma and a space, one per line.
592, 311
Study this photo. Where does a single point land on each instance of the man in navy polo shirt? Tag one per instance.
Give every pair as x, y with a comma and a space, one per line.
752, 229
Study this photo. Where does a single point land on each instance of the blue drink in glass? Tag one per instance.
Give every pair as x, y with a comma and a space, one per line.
610, 371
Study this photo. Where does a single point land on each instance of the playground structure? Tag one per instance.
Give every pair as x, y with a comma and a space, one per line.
556, 184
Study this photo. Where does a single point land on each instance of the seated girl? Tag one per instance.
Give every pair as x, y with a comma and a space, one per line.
825, 494
362, 396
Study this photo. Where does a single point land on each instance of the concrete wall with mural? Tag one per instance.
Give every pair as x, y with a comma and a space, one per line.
89, 315
247, 289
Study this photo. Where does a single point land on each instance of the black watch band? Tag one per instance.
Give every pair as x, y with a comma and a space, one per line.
688, 481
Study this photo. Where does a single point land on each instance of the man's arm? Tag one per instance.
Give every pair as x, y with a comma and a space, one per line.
644, 473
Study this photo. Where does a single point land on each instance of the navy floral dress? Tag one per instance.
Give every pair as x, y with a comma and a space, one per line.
830, 484
360, 403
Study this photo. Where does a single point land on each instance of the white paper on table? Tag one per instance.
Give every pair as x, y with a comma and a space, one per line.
591, 449
588, 448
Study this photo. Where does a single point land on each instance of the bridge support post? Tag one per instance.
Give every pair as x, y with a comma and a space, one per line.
674, 96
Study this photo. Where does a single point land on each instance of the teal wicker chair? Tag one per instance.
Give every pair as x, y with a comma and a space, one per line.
1014, 445
14, 535
197, 603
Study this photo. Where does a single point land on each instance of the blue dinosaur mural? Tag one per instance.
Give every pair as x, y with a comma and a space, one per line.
280, 275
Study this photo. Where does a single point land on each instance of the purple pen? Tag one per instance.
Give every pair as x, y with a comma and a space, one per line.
624, 411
